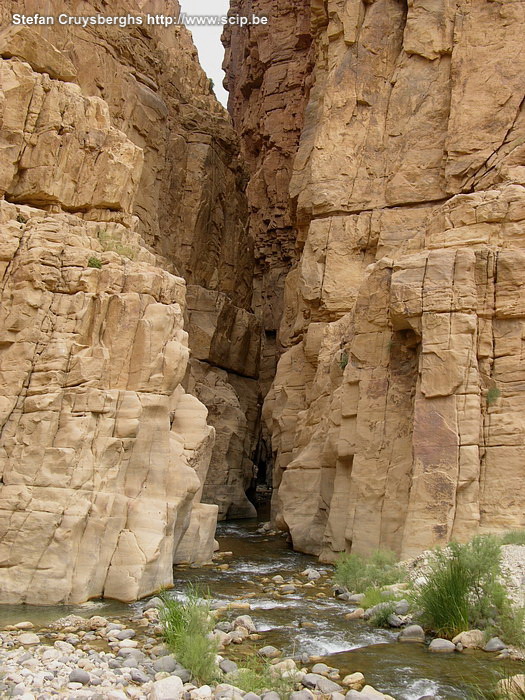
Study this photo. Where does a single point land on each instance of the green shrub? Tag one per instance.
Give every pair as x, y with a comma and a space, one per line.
187, 626
357, 573
95, 262
493, 395
380, 617
373, 596
513, 537
112, 244
343, 361
255, 675
463, 590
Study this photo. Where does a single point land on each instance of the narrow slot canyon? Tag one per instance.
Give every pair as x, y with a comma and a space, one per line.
240, 345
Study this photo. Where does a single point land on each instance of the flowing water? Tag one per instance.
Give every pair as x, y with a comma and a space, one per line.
406, 671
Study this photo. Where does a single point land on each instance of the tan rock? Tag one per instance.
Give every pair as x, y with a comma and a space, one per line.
395, 414
471, 639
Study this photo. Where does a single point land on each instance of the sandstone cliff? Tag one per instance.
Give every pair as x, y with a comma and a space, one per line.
121, 180
189, 202
396, 413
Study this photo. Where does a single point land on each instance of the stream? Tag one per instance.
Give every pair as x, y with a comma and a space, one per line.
308, 621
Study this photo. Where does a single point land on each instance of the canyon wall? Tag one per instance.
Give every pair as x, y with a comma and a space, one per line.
396, 412
190, 203
123, 227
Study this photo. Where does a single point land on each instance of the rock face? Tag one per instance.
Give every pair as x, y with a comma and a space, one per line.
396, 413
267, 75
189, 199
120, 178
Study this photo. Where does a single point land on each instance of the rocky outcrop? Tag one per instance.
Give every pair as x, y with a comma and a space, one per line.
267, 75
396, 410
107, 156
190, 201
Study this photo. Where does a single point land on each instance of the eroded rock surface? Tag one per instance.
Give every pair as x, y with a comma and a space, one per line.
189, 194
396, 411
104, 455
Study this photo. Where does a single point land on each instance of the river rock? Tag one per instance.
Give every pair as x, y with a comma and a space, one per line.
165, 663
25, 625
138, 676
278, 579
270, 652
513, 687
441, 646
357, 614
271, 695
311, 574
224, 626
28, 638
402, 607
395, 620
470, 639
321, 668
251, 696
318, 682
170, 688
304, 694
494, 644
283, 668
77, 675
227, 691
412, 633
359, 695
246, 622
125, 634
182, 673
228, 666
354, 681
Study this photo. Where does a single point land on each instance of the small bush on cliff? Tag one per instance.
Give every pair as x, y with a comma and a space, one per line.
358, 573
187, 625
463, 590
493, 395
95, 262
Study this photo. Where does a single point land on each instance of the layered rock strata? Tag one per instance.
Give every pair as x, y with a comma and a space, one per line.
396, 411
268, 77
189, 202
104, 455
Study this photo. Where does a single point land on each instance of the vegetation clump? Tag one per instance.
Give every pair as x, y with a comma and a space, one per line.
187, 626
493, 395
255, 675
95, 262
513, 537
109, 243
359, 573
463, 589
381, 616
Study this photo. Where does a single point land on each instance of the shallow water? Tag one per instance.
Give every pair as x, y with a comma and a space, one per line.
406, 671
